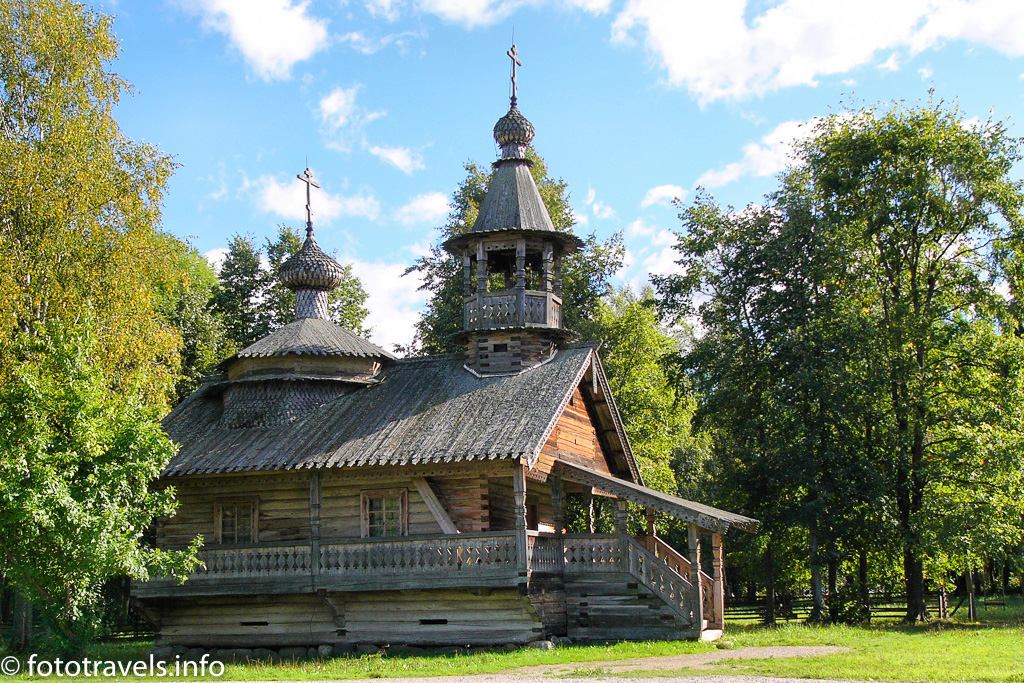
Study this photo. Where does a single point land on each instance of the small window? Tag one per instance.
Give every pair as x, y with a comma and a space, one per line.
235, 521
500, 348
384, 513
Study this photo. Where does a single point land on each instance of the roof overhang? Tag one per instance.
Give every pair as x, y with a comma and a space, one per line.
704, 516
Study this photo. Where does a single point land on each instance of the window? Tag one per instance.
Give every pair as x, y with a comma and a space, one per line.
384, 513
235, 521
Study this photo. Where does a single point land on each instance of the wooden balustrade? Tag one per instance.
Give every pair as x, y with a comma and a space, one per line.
664, 582
681, 566
261, 561
461, 553
502, 309
482, 559
592, 553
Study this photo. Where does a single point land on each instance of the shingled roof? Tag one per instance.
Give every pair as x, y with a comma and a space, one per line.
421, 411
312, 337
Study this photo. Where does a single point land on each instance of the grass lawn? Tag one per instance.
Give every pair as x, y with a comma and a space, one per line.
392, 663
886, 653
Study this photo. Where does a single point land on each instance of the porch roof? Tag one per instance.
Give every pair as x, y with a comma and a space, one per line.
704, 516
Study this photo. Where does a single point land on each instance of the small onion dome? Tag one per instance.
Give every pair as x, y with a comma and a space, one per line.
513, 130
311, 268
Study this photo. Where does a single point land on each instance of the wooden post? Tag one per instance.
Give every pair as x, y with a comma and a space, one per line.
622, 516
718, 594
481, 283
588, 505
314, 524
693, 543
467, 274
521, 281
549, 276
652, 530
558, 276
519, 496
558, 504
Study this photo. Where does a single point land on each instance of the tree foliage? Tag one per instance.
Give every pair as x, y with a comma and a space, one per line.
253, 302
859, 366
79, 202
585, 276
656, 412
76, 461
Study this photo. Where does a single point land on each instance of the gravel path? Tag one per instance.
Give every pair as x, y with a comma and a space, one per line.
701, 660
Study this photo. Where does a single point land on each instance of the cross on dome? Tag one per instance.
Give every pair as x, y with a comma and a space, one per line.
513, 54
307, 178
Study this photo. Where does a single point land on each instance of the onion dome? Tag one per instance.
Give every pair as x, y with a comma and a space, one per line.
311, 268
513, 133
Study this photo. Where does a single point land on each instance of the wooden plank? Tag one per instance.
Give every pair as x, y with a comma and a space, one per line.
434, 505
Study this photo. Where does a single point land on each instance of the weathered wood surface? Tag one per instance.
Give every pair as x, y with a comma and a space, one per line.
481, 559
575, 438
681, 566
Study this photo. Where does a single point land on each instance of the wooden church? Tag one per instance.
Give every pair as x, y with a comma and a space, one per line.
346, 496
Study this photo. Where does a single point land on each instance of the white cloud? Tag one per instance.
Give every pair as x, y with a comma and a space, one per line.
288, 200
343, 120
430, 208
272, 35
368, 45
394, 301
662, 194
338, 107
404, 159
766, 158
716, 52
477, 13
600, 209
891, 64
216, 257
387, 9
639, 228
926, 72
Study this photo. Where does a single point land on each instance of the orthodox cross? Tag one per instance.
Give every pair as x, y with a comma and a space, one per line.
307, 178
513, 54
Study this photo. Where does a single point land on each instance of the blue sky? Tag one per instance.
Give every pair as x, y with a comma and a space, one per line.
635, 102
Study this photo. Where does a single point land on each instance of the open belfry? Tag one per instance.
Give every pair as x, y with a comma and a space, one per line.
349, 497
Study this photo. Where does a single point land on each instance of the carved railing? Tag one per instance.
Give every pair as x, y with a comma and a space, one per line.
407, 557
664, 582
254, 562
681, 566
544, 553
501, 309
593, 553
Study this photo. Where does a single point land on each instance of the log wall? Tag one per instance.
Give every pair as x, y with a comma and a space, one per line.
282, 500
574, 439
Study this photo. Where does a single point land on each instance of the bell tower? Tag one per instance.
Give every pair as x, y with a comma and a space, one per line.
512, 262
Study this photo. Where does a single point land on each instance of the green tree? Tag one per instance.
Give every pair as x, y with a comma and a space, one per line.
843, 359
656, 412
585, 276
236, 297
932, 198
76, 461
79, 202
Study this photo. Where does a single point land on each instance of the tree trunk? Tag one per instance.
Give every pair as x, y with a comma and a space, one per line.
972, 605
769, 585
862, 581
22, 622
818, 610
833, 588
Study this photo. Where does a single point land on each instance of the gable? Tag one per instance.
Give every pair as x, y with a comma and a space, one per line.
575, 439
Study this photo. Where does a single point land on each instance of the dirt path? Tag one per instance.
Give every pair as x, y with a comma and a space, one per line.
699, 660
588, 671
